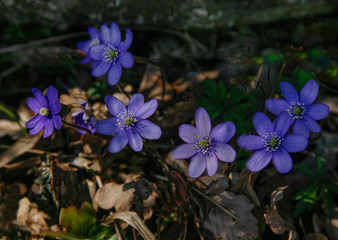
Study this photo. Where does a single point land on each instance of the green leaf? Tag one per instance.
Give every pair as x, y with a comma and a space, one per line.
320, 167
300, 209
237, 95
213, 108
305, 170
215, 91
301, 77
273, 58
331, 186
328, 202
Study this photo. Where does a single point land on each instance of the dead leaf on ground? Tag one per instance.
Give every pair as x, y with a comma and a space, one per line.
135, 221
112, 195
30, 218
221, 224
19, 147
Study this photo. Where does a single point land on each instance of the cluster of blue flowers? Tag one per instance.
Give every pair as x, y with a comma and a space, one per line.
203, 144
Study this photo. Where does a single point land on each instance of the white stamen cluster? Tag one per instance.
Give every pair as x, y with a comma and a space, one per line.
94, 42
44, 111
126, 120
203, 144
271, 141
110, 54
296, 110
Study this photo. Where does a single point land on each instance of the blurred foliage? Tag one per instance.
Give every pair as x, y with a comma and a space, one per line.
318, 190
237, 106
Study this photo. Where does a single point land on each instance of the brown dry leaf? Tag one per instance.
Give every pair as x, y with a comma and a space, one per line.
10, 128
277, 224
30, 218
112, 195
315, 236
135, 221
19, 147
221, 224
82, 162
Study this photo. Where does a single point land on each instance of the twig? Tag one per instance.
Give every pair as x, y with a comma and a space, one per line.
121, 89
36, 151
85, 129
36, 43
118, 231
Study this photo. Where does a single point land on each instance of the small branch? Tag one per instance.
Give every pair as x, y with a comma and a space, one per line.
118, 231
121, 89
85, 129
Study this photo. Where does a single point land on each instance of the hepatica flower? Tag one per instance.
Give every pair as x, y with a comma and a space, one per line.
112, 53
205, 146
129, 123
47, 109
272, 143
300, 108
86, 45
84, 118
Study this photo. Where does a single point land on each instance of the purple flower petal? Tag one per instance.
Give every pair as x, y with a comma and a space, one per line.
115, 34
309, 92
276, 106
202, 121
38, 127
282, 124
86, 60
84, 45
184, 151
148, 130
107, 126
101, 69
93, 32
250, 142
135, 140
259, 160
105, 34
55, 108
33, 104
300, 128
114, 73
223, 132
289, 92
40, 97
125, 45
31, 123
135, 102
282, 161
312, 124
95, 63
118, 142
318, 111
294, 143
262, 124
126, 59
224, 152
52, 95
57, 122
188, 133
114, 105
147, 109
49, 128
197, 166
211, 162
96, 52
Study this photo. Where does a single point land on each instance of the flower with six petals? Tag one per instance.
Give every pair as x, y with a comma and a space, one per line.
299, 107
129, 123
47, 108
112, 53
205, 145
272, 143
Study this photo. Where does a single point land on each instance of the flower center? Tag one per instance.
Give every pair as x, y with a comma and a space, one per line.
203, 144
272, 141
296, 110
110, 54
44, 111
126, 120
94, 42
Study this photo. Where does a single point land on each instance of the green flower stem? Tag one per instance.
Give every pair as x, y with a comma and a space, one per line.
14, 117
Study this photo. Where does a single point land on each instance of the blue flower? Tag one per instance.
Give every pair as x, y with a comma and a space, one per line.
84, 118
300, 108
112, 53
129, 123
86, 45
205, 146
272, 143
47, 109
